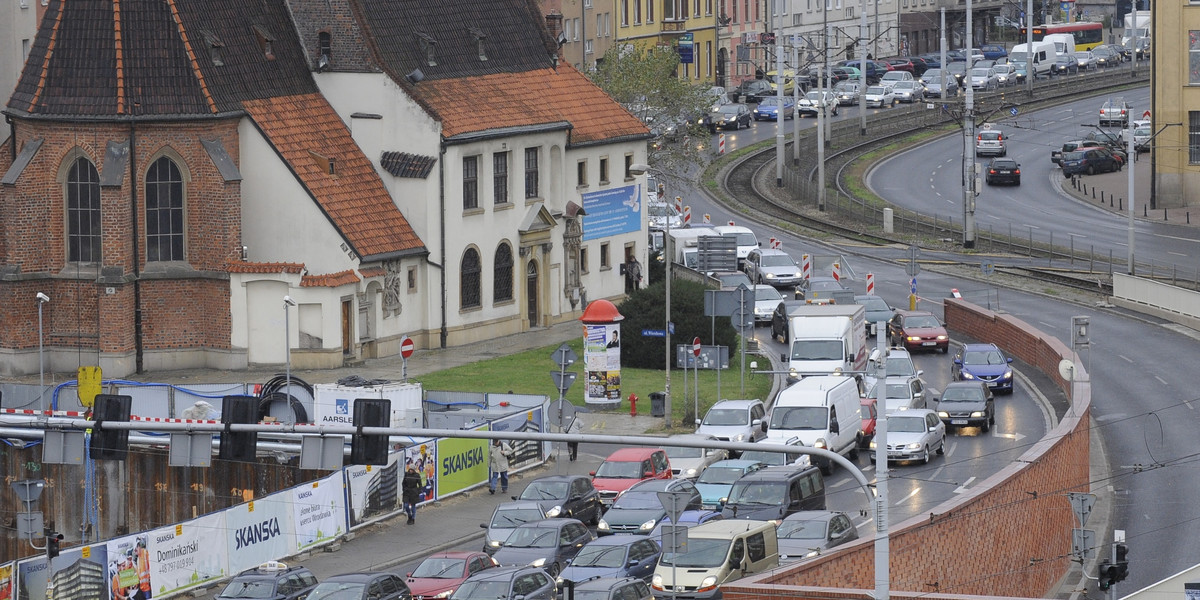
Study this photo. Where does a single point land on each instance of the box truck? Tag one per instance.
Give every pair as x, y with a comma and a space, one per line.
827, 337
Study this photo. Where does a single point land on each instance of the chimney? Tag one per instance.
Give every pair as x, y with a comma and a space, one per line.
554, 22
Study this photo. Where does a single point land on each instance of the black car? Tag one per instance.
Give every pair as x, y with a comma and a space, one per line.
272, 579
570, 496
752, 90
967, 403
362, 586
780, 319
613, 588
1090, 161
1003, 170
1065, 64
729, 116
507, 583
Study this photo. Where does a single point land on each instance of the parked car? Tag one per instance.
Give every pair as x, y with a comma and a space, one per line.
688, 462
986, 363
932, 79
1089, 162
547, 544
918, 330
508, 583
735, 421
1115, 111
901, 63
968, 404
913, 435
716, 481
909, 91
627, 466
766, 298
613, 556
638, 509
811, 533
768, 108
505, 518
1067, 147
984, 78
752, 91
900, 393
879, 96
439, 574
610, 588
919, 66
271, 579
847, 92
993, 51
1003, 170
571, 496
1086, 60
361, 586
1065, 64
772, 266
990, 142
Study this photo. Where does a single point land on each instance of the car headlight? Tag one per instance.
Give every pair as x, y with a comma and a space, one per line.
494, 543
602, 525
539, 562
977, 414
820, 443
913, 446
445, 594
656, 582
1007, 374
966, 375
707, 584
648, 525
943, 414
770, 276
872, 445
741, 437
913, 338
942, 338
554, 512
558, 582
691, 472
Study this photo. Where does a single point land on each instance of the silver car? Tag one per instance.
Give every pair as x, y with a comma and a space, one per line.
506, 518
1006, 73
909, 91
933, 83
913, 435
847, 92
771, 266
688, 462
766, 298
984, 79
735, 421
810, 533
900, 393
1085, 60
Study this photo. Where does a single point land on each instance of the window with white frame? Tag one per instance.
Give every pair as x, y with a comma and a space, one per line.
1194, 136
1194, 57
500, 177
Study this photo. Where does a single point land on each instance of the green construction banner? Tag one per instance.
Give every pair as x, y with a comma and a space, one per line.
462, 463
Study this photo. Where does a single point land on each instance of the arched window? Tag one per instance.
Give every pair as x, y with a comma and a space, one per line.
83, 212
503, 287
469, 275
164, 211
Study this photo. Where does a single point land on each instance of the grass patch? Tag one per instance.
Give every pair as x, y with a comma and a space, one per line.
529, 373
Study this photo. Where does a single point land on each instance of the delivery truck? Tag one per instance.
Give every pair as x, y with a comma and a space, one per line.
827, 337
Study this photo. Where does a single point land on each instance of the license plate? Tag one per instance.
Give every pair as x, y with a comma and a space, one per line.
991, 384
929, 343
958, 421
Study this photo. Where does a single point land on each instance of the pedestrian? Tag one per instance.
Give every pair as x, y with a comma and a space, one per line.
498, 462
573, 446
410, 488
633, 273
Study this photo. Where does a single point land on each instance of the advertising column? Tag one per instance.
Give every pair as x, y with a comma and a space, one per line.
602, 353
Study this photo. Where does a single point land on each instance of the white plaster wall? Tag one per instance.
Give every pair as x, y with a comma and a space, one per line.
18, 23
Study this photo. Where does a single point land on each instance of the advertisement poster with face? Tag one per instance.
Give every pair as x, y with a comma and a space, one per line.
181, 557
462, 463
524, 451
602, 359
374, 489
423, 456
6, 581
319, 510
257, 529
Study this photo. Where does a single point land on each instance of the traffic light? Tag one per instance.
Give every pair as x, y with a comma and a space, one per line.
238, 445
1106, 574
1122, 563
370, 449
52, 540
110, 444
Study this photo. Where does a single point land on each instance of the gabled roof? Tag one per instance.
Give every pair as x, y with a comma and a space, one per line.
316, 144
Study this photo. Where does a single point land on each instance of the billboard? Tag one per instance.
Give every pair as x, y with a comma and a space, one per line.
462, 463
612, 212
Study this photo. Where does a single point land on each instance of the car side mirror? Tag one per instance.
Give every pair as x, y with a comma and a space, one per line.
592, 473
958, 361
483, 525
1010, 359
697, 421
648, 474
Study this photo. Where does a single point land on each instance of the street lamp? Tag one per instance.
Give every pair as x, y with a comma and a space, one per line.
642, 169
41, 300
288, 303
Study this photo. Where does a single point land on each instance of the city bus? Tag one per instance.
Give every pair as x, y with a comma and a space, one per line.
1087, 35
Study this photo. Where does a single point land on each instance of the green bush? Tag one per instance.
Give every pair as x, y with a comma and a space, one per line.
646, 309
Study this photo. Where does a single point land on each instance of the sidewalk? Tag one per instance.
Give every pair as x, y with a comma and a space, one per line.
1110, 191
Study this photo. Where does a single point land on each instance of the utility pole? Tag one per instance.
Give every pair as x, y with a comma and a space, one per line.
779, 80
943, 71
862, 50
1029, 72
968, 139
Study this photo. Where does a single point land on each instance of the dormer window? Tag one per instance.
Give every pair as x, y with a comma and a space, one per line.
266, 41
216, 48
428, 46
480, 42
327, 164
325, 50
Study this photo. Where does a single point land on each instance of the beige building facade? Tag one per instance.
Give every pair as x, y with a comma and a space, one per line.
1175, 103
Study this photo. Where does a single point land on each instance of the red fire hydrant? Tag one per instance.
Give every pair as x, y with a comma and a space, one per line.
633, 405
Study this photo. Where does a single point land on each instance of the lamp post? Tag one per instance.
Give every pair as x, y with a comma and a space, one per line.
288, 303
41, 300
642, 169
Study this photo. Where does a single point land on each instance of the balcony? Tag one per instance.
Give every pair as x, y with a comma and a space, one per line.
674, 25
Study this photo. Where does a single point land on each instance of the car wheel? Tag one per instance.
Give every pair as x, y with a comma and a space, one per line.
854, 451
992, 419
986, 427
945, 349
1017, 182
1091, 170
942, 446
553, 570
925, 457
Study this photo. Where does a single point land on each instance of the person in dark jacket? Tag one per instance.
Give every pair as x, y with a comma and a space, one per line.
410, 488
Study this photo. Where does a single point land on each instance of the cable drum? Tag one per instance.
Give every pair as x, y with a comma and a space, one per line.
288, 404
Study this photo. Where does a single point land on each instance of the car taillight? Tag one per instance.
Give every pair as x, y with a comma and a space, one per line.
1016, 172
991, 171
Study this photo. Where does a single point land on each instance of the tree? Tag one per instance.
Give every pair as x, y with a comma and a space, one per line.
646, 309
643, 79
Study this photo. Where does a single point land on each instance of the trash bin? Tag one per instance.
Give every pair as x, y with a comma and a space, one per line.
658, 404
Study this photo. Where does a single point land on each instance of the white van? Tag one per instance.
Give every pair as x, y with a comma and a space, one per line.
718, 552
1064, 43
746, 240
1043, 56
821, 411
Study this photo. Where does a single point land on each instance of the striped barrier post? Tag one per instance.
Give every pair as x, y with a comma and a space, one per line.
806, 266
870, 283
721, 144
837, 272
687, 216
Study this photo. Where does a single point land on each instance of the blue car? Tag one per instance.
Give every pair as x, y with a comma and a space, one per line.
768, 108
613, 556
715, 482
986, 363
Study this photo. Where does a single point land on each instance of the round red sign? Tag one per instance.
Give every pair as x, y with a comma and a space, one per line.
406, 347
696, 347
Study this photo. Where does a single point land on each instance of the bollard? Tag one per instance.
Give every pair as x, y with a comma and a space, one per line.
1188, 217
1121, 204
1144, 209
1164, 214
1101, 196
633, 405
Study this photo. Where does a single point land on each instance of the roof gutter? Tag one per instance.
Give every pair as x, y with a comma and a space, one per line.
504, 132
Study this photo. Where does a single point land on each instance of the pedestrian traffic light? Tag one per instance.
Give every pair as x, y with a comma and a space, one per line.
106, 443
238, 445
1106, 574
52, 540
370, 449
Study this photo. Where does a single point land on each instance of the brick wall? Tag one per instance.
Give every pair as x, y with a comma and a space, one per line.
1010, 535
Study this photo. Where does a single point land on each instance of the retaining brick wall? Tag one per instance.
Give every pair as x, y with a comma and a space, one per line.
1009, 535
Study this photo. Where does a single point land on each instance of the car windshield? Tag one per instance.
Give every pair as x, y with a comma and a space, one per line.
777, 260
513, 517
980, 72
989, 135
900, 365
726, 416
802, 530
744, 239
983, 357
482, 590
759, 493
768, 101
337, 590
625, 469
906, 85
771, 459
799, 417
729, 113
1017, 57
1077, 155
961, 394
893, 76
767, 293
533, 537
440, 568
662, 210
824, 285
720, 475
595, 595
906, 424
875, 90
890, 390
817, 350
249, 588
600, 556
1142, 131
545, 490
674, 452
932, 74
875, 303
929, 321
635, 500
702, 552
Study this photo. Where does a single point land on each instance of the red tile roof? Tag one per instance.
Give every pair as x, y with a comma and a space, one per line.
330, 280
308, 133
372, 272
537, 97
264, 267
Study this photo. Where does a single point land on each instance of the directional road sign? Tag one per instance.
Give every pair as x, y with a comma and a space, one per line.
564, 356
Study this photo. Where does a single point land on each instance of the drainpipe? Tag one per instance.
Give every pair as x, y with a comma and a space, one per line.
12, 136
137, 252
442, 232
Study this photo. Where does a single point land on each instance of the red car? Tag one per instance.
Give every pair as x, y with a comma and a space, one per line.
440, 574
867, 407
918, 330
626, 467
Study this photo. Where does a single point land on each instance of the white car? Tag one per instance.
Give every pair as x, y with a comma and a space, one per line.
776, 267
662, 213
901, 393
766, 299
688, 463
814, 99
913, 435
891, 78
909, 91
879, 96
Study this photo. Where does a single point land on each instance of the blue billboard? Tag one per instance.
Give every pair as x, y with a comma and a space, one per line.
684, 47
612, 212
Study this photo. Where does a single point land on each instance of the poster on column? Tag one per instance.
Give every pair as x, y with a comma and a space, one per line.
602, 358
257, 529
181, 557
524, 451
319, 511
423, 456
374, 489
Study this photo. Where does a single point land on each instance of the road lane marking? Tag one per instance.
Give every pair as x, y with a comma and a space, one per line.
1160, 380
1125, 358
1012, 436
907, 498
962, 489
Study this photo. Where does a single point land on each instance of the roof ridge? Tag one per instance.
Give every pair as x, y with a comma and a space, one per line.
49, 53
194, 62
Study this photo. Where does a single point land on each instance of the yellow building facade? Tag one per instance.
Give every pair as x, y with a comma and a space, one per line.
1175, 103
690, 25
